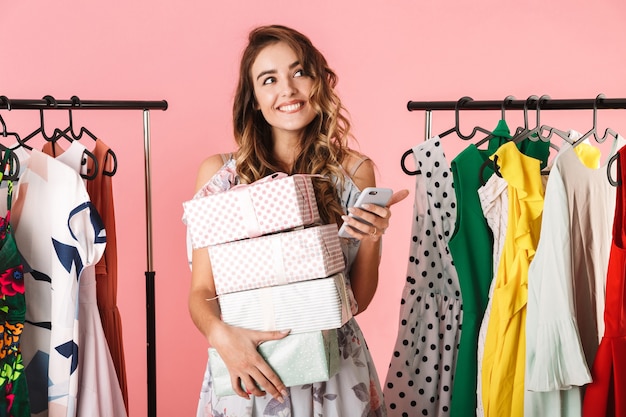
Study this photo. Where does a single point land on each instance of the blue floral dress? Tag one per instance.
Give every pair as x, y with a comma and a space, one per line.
353, 391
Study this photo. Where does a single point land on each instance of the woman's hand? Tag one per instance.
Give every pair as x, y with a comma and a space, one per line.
249, 373
377, 216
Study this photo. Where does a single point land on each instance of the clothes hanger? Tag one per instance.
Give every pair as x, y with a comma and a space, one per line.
56, 135
531, 133
493, 164
520, 130
14, 162
608, 131
614, 159
83, 130
456, 128
41, 129
507, 100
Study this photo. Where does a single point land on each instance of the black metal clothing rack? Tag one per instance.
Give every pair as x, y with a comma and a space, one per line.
510, 103
50, 103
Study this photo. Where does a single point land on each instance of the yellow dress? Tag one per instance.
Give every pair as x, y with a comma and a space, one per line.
505, 344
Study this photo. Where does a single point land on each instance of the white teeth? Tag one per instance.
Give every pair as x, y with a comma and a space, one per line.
290, 107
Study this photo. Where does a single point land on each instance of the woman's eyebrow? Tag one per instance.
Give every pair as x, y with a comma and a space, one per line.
273, 71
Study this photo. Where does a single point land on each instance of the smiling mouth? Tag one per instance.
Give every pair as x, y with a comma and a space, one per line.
290, 107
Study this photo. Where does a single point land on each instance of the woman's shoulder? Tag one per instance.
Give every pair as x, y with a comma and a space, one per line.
359, 168
217, 172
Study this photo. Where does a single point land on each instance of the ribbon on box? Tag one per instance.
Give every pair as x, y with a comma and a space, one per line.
267, 308
250, 217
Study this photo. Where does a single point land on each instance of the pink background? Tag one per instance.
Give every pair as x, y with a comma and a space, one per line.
385, 52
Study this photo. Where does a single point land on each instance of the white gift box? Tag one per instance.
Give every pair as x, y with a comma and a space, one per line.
305, 306
281, 258
269, 205
297, 359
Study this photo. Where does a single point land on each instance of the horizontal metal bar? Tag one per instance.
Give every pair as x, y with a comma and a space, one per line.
530, 104
52, 104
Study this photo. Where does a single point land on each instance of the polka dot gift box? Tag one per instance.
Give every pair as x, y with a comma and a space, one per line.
272, 204
281, 258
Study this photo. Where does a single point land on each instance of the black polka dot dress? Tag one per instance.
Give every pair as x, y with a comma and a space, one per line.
419, 379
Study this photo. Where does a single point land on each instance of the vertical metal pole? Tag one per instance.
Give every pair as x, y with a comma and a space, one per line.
150, 310
428, 124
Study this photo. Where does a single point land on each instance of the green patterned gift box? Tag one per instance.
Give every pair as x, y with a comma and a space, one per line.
297, 359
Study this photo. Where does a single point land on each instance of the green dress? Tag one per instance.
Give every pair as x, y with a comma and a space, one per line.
471, 247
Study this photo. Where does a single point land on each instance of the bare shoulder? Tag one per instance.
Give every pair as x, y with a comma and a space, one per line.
360, 168
208, 168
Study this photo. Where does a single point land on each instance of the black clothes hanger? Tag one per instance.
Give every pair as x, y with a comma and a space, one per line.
531, 133
493, 164
608, 131
614, 159
50, 101
404, 168
13, 162
456, 129
83, 130
507, 100
56, 135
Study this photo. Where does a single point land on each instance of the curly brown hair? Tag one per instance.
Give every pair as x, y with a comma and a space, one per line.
325, 139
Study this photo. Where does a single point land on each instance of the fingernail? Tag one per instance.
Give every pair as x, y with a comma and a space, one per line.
280, 400
344, 218
286, 331
284, 393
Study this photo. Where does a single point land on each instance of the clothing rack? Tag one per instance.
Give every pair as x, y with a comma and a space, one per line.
510, 103
50, 103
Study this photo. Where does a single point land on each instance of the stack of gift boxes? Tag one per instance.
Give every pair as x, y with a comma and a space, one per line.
275, 267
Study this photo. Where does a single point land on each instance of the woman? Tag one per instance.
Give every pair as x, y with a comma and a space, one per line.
288, 118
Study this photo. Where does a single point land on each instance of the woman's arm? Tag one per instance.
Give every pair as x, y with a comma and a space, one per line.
364, 272
236, 346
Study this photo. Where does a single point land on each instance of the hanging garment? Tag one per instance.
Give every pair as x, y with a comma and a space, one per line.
58, 234
471, 248
99, 393
555, 361
494, 203
420, 375
13, 387
100, 191
353, 391
606, 395
591, 227
504, 358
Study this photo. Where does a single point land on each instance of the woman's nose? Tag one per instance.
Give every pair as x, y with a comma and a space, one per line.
288, 87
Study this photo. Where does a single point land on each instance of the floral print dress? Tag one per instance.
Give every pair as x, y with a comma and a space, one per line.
353, 391
13, 388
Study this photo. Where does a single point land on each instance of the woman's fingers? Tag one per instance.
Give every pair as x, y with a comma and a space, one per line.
374, 220
252, 375
397, 197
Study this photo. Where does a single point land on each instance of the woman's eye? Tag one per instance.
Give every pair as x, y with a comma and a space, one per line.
299, 73
268, 80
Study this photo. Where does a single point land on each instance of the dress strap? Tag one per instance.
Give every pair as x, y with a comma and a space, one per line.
226, 157
356, 166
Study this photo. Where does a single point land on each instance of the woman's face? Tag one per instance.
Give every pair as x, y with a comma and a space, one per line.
282, 90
